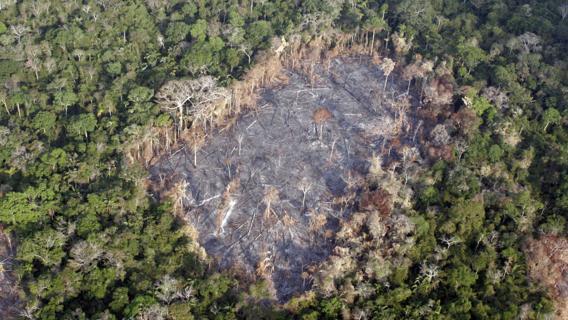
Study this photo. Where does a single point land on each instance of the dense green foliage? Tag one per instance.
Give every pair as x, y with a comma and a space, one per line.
78, 83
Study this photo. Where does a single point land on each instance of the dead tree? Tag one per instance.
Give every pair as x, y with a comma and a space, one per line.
304, 186
227, 206
19, 31
424, 70
409, 155
321, 116
402, 107
317, 221
181, 196
408, 73
440, 135
387, 66
563, 8
6, 3
196, 139
197, 98
401, 44
265, 266
33, 61
270, 196
429, 271
530, 41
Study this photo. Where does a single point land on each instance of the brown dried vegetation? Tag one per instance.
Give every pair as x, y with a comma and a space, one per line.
321, 116
368, 246
548, 266
376, 200
439, 91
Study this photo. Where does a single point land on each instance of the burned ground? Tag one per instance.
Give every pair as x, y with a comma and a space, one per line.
268, 194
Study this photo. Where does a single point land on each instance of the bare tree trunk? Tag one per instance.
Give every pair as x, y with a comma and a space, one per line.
422, 89
248, 55
332, 148
180, 111
167, 140
416, 130
372, 43
240, 141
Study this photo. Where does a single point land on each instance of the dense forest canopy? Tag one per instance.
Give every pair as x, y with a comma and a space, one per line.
79, 96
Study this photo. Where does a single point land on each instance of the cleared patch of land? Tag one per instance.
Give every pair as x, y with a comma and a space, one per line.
268, 194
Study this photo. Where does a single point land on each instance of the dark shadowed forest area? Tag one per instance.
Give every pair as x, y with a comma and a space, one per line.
309, 159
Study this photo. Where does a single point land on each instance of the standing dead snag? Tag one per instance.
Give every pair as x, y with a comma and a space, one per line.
401, 107
240, 139
317, 222
270, 196
181, 196
265, 266
196, 139
402, 44
304, 186
320, 117
563, 9
227, 206
413, 70
387, 66
420, 68
197, 98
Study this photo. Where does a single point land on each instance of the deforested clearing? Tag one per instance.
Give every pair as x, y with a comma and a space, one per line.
268, 193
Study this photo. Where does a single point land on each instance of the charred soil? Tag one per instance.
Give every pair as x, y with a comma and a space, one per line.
268, 194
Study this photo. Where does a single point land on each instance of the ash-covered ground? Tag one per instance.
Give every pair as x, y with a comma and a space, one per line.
268, 194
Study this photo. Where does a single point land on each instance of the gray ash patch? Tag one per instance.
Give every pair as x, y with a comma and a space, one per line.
278, 147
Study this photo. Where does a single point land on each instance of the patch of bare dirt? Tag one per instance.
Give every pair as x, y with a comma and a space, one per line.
269, 193
548, 266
